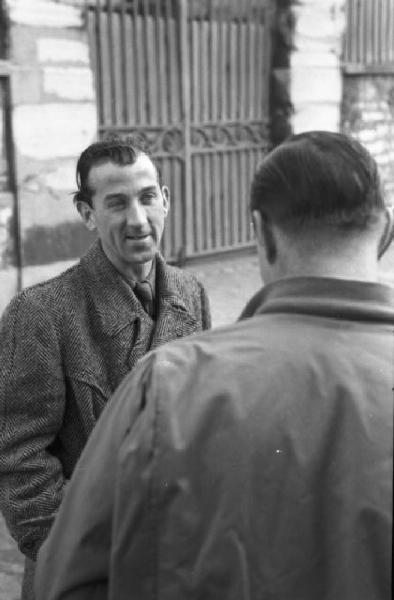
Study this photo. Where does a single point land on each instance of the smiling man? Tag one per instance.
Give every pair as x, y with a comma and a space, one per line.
66, 344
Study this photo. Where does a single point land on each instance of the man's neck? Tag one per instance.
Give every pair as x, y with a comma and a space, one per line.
138, 272
362, 269
130, 272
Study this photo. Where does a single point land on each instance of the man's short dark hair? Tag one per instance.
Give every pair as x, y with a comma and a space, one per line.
321, 179
119, 150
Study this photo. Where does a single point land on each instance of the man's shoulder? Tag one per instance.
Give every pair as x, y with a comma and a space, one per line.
217, 344
51, 293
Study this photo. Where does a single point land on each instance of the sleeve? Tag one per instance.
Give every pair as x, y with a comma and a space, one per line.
74, 561
205, 309
32, 396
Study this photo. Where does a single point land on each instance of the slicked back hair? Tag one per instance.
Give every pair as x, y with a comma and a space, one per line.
318, 179
118, 150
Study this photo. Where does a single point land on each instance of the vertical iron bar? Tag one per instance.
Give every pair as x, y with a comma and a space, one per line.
137, 76
219, 53
213, 53
390, 33
147, 66
195, 68
259, 22
352, 29
204, 72
249, 52
160, 61
185, 79
268, 20
123, 58
111, 62
100, 81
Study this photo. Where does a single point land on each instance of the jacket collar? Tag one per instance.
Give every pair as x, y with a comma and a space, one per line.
114, 299
336, 298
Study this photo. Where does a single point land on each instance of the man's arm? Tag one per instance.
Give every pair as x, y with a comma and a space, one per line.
83, 527
32, 397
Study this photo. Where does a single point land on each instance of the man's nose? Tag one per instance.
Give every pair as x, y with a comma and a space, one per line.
136, 214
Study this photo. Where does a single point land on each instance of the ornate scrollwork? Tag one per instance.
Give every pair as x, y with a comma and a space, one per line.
170, 140
229, 135
158, 140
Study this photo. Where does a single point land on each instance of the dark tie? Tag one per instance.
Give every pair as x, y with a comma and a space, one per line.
143, 291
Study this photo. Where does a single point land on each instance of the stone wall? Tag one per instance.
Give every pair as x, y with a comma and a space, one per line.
316, 80
368, 115
53, 119
306, 83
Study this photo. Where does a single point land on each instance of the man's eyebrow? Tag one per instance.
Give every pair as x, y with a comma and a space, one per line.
113, 196
149, 188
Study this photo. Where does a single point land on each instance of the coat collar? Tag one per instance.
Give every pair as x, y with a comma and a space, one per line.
115, 301
324, 296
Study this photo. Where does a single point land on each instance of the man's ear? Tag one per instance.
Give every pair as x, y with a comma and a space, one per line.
87, 214
265, 235
165, 192
388, 233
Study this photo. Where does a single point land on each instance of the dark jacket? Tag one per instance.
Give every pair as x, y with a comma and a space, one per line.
252, 462
65, 345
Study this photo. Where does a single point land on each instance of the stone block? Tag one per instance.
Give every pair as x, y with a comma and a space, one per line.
47, 131
26, 85
311, 84
377, 147
308, 117
366, 136
44, 13
57, 50
71, 83
319, 21
312, 58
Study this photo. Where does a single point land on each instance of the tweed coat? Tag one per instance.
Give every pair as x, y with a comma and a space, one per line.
65, 345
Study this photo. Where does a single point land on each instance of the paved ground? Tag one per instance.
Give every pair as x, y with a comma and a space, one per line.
230, 282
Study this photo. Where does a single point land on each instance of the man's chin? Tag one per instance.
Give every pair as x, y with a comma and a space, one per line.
140, 258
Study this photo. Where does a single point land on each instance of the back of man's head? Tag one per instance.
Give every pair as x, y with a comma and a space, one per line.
318, 179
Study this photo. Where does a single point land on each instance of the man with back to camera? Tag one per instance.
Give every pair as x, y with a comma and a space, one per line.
66, 344
255, 461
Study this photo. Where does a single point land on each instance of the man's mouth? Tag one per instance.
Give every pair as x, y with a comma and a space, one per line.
138, 237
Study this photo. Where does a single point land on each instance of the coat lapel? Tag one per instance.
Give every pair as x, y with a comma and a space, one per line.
174, 319
127, 332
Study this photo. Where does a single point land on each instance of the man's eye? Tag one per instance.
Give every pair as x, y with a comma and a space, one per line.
148, 197
115, 203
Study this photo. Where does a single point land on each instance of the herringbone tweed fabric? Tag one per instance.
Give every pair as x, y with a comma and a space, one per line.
65, 345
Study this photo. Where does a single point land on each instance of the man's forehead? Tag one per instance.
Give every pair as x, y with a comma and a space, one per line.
111, 173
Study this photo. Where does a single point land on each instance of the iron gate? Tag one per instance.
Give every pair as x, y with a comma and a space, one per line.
191, 78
